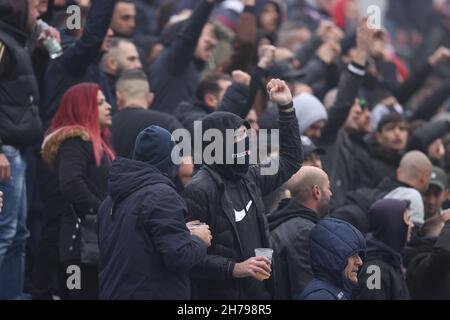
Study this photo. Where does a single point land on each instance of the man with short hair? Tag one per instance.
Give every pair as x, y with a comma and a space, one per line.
216, 92
290, 225
134, 99
122, 55
123, 19
385, 148
436, 194
413, 173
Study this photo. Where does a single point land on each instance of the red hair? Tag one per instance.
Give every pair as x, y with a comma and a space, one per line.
79, 109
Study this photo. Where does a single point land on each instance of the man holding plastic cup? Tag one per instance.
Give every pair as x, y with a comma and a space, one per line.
228, 197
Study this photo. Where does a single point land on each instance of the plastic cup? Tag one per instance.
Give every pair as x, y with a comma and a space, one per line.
264, 252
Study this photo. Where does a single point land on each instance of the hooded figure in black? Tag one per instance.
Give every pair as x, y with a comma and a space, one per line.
146, 250
382, 276
228, 197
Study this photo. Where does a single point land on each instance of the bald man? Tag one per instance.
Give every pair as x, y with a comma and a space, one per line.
414, 172
290, 225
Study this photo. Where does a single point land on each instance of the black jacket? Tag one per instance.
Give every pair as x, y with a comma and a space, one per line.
392, 279
290, 225
80, 61
128, 122
82, 185
208, 200
341, 147
175, 73
427, 261
357, 203
375, 163
146, 251
19, 94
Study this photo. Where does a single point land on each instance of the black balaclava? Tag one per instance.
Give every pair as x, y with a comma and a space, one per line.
223, 121
387, 224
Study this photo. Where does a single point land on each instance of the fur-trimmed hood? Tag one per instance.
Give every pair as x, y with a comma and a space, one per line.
53, 141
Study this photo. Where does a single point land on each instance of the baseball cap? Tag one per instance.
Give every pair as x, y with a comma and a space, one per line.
439, 178
309, 147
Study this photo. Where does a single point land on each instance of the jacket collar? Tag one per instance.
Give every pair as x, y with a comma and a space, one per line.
289, 209
17, 34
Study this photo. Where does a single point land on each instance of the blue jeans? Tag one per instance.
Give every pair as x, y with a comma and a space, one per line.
13, 229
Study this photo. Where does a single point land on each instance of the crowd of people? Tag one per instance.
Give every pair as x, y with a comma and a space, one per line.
98, 200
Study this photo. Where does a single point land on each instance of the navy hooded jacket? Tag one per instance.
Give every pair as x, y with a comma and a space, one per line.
332, 242
146, 250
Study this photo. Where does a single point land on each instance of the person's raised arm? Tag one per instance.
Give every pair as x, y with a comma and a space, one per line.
182, 50
244, 42
77, 58
290, 158
348, 85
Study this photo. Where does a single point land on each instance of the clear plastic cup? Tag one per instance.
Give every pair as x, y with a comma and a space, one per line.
264, 252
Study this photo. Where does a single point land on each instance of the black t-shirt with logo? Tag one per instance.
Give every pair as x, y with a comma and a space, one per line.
249, 233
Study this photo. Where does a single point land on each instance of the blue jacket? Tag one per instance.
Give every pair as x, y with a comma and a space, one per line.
146, 251
332, 242
80, 61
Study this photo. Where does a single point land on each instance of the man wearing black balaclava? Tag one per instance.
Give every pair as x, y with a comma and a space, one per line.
228, 197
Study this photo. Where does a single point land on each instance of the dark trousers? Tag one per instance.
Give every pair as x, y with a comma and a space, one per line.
45, 275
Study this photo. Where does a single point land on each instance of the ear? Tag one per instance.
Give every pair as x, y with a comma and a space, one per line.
120, 97
150, 99
111, 64
316, 192
210, 100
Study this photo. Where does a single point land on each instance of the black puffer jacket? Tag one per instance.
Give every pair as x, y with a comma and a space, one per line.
208, 200
19, 95
290, 225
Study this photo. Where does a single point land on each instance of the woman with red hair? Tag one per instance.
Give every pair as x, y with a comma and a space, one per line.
77, 150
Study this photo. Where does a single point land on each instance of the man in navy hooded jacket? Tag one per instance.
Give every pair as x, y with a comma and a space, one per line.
336, 249
146, 250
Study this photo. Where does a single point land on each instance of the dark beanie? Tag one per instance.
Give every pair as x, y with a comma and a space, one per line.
154, 146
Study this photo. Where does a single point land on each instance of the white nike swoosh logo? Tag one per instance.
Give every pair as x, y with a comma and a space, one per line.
239, 215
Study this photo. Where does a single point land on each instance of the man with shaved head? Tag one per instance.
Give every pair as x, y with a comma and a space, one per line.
290, 225
412, 179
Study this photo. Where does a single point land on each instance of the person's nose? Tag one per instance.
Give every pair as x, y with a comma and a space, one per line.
359, 261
